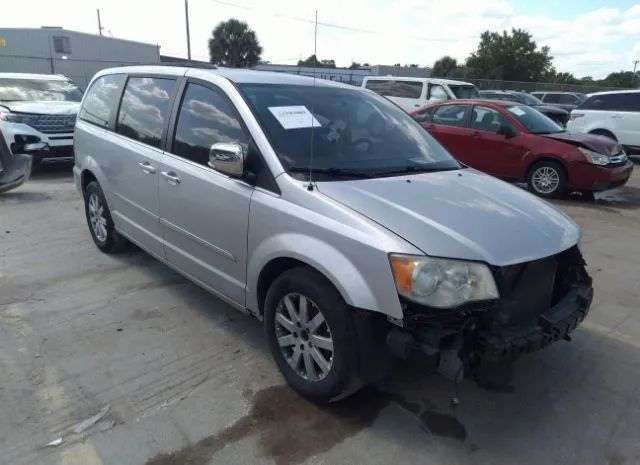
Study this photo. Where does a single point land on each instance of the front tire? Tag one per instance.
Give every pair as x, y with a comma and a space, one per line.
547, 179
310, 332
100, 222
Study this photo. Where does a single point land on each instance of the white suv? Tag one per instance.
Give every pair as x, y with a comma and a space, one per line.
613, 114
38, 114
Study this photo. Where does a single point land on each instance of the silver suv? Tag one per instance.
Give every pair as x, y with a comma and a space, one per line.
330, 215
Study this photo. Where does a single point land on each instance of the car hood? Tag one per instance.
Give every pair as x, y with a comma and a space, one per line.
43, 108
600, 144
460, 214
550, 109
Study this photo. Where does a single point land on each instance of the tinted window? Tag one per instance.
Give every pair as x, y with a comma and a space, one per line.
464, 91
31, 90
205, 118
145, 108
101, 101
391, 88
437, 92
488, 119
628, 101
348, 129
552, 98
451, 115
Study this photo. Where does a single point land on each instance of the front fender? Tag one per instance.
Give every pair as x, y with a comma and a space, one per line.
356, 290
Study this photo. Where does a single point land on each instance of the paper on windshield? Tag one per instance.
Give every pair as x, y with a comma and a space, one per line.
295, 117
517, 111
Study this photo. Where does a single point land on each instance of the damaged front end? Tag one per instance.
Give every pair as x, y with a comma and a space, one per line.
541, 301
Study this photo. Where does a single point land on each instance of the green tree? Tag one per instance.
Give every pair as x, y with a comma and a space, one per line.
445, 67
621, 79
354, 65
313, 61
511, 56
233, 44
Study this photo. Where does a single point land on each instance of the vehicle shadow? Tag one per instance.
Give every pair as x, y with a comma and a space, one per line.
52, 170
556, 391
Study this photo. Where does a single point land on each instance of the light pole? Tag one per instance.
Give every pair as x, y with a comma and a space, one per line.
186, 15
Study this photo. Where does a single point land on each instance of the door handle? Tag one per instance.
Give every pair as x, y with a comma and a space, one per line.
475, 134
171, 177
147, 167
616, 116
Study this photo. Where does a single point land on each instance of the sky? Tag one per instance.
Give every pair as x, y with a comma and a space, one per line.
586, 37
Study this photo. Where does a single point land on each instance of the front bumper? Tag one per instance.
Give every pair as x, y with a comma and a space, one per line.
588, 177
541, 302
51, 145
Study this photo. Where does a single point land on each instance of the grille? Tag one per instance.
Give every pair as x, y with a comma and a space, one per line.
52, 124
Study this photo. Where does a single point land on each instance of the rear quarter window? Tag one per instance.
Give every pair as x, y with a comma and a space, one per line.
101, 102
395, 88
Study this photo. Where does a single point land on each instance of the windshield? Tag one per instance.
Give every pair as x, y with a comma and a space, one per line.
31, 90
528, 99
465, 91
354, 132
533, 120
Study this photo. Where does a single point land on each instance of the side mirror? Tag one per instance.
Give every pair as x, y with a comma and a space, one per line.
228, 158
507, 131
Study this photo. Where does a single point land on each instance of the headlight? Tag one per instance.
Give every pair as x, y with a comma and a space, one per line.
18, 118
594, 157
442, 283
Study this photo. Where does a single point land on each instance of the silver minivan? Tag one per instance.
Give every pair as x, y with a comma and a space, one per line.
331, 216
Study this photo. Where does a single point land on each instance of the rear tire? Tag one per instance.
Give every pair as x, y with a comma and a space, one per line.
100, 222
605, 133
310, 332
547, 179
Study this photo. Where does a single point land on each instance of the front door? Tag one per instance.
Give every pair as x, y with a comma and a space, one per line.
492, 152
449, 125
132, 160
204, 213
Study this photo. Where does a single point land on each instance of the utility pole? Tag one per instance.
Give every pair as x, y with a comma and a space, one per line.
100, 28
635, 64
186, 16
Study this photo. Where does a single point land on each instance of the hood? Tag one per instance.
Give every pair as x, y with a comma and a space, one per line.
44, 107
460, 214
599, 144
550, 109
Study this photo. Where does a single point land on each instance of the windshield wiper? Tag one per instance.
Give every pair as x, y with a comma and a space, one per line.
415, 169
332, 172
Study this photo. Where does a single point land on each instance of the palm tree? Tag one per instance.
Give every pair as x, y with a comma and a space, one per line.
233, 44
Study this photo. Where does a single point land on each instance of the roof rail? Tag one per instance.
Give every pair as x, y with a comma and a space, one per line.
188, 64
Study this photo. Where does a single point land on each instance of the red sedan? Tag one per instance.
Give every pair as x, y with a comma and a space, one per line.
517, 143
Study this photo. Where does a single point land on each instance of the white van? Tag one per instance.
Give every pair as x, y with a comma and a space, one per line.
412, 93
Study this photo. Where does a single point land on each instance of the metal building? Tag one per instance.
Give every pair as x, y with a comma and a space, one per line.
77, 55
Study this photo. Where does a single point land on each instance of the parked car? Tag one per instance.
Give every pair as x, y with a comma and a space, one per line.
557, 114
412, 93
329, 214
517, 143
38, 113
565, 100
15, 168
615, 114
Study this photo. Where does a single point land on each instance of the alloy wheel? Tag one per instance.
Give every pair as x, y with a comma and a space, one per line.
545, 179
304, 337
96, 217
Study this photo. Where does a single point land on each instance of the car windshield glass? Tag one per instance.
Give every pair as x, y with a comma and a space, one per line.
465, 91
529, 99
32, 90
533, 120
353, 130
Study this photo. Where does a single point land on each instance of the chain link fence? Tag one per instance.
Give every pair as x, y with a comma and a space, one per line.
493, 84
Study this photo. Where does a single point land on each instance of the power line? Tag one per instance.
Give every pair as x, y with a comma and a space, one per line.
332, 25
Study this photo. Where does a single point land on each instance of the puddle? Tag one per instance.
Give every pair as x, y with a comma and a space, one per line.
624, 197
291, 429
23, 197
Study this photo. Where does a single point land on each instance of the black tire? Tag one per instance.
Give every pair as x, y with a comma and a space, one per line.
548, 166
113, 242
341, 379
605, 133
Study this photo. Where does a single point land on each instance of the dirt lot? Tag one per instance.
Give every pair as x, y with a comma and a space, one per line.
188, 380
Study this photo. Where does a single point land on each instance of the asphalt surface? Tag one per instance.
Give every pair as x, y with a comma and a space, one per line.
189, 380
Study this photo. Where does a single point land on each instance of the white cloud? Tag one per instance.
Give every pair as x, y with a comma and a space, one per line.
595, 42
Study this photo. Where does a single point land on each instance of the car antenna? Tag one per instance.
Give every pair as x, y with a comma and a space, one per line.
315, 61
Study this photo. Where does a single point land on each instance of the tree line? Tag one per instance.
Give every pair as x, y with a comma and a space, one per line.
509, 56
